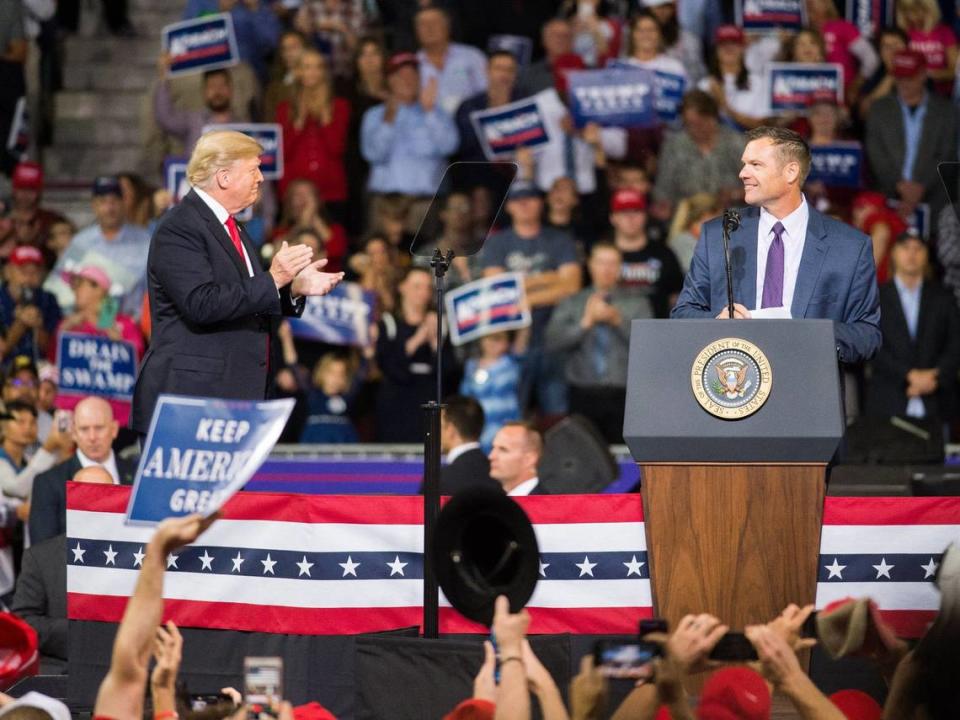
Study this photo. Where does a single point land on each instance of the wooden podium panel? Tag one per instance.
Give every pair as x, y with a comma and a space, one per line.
738, 541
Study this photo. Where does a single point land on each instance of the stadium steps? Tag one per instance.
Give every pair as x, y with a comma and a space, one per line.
97, 114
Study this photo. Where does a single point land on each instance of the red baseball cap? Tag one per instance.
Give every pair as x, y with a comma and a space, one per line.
25, 255
729, 33
402, 59
627, 200
856, 705
27, 176
736, 693
907, 63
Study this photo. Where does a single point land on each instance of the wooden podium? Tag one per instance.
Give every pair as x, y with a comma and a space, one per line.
732, 507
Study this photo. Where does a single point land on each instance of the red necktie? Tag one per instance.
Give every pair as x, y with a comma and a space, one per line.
235, 235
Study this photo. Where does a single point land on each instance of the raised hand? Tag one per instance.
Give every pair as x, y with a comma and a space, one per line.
311, 281
288, 262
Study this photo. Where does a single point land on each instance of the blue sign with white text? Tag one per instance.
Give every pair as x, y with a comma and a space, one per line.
204, 43
520, 46
501, 131
765, 15
837, 165
870, 16
341, 317
270, 137
92, 365
792, 84
487, 306
199, 452
620, 96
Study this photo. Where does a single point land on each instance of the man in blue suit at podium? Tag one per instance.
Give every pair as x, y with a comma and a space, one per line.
787, 259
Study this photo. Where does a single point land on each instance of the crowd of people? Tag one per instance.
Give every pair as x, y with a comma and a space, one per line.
375, 102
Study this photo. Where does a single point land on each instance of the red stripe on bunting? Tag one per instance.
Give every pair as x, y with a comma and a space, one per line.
373, 509
891, 511
349, 621
909, 623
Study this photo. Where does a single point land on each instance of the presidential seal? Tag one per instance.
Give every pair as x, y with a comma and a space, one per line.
731, 378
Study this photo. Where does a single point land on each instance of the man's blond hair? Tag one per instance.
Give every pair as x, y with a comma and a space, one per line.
217, 150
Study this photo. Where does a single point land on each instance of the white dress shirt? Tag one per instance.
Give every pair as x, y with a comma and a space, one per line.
110, 465
794, 236
524, 488
221, 212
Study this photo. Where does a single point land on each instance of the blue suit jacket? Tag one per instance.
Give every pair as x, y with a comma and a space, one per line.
837, 279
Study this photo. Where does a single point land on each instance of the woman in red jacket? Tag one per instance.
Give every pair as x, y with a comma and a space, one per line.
315, 125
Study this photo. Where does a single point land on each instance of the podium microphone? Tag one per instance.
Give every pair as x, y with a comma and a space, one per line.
731, 221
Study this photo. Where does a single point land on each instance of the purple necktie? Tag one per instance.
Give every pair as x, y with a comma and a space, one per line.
773, 275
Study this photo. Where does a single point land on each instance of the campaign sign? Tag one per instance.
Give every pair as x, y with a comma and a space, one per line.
517, 45
175, 175
791, 84
919, 221
92, 365
204, 43
487, 306
668, 94
201, 451
870, 16
836, 165
269, 135
18, 140
502, 130
341, 317
764, 15
621, 96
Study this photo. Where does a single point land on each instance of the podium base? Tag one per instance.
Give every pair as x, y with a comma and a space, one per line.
738, 541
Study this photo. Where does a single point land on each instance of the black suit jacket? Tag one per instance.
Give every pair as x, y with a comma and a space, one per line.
41, 594
937, 345
48, 501
471, 469
211, 322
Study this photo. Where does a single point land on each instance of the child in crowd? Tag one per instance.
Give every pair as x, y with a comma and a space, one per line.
493, 379
335, 385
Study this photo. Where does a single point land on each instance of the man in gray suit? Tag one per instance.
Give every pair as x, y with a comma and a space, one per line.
787, 259
909, 132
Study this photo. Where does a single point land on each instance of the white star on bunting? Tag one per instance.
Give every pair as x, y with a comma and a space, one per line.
883, 570
172, 561
206, 561
237, 562
77, 553
138, 557
111, 555
930, 569
396, 567
268, 565
633, 566
543, 568
304, 567
586, 567
836, 570
349, 567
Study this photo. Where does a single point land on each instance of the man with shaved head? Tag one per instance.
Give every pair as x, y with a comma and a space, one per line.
516, 452
94, 430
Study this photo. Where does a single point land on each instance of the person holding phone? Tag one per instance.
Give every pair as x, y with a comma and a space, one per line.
96, 311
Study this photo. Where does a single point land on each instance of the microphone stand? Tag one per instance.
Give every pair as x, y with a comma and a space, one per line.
731, 221
431, 462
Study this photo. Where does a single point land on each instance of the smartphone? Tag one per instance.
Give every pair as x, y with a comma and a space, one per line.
809, 627
632, 660
63, 420
734, 647
263, 685
108, 313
